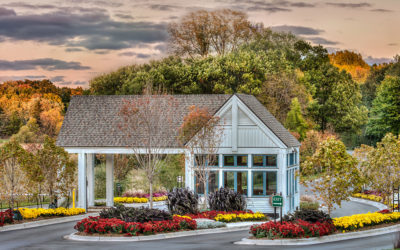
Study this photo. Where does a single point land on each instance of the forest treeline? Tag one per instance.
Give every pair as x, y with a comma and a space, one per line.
221, 51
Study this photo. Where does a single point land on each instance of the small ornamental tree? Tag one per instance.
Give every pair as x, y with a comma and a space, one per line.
339, 173
11, 176
381, 165
201, 134
144, 121
294, 120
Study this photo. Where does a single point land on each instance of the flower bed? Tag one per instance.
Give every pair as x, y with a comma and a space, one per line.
33, 213
6, 217
144, 195
137, 199
98, 225
371, 197
357, 221
233, 216
296, 229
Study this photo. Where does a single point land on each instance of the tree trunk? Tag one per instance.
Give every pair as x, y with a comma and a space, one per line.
205, 194
151, 192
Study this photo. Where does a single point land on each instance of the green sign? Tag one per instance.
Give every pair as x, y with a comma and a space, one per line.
277, 201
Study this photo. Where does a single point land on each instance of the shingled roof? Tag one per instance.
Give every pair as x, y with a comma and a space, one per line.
92, 121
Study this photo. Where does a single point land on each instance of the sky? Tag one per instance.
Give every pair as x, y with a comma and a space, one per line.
70, 42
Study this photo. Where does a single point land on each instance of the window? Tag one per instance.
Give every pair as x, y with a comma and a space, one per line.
236, 180
292, 159
211, 185
235, 160
202, 159
264, 161
264, 183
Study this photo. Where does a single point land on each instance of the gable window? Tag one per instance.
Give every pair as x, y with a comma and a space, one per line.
264, 161
235, 160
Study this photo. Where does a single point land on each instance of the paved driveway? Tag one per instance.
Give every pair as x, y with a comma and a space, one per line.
51, 237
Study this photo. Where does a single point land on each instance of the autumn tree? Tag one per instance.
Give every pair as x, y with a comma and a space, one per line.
338, 169
28, 133
381, 165
146, 122
11, 175
351, 62
295, 121
201, 134
205, 32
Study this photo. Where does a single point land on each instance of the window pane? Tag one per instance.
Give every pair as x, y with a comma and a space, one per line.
212, 182
199, 186
242, 183
258, 160
271, 160
229, 160
291, 159
241, 160
200, 160
213, 161
229, 180
271, 183
258, 183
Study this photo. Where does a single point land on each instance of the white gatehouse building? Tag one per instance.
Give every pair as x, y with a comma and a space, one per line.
258, 157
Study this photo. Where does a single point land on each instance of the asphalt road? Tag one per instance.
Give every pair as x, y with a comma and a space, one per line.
51, 237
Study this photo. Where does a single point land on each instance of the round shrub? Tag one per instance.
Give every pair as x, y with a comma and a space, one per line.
225, 199
182, 201
308, 215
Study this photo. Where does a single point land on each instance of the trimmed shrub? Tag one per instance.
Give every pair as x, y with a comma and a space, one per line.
6, 217
225, 199
182, 201
307, 215
205, 224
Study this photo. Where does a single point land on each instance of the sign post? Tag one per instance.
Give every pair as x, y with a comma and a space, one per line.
277, 201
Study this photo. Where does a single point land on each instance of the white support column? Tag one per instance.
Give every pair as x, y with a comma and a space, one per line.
82, 180
189, 181
282, 182
234, 124
249, 175
90, 179
109, 180
220, 173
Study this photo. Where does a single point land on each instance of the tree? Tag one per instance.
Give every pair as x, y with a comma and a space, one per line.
144, 121
311, 143
339, 173
201, 134
381, 165
28, 133
295, 121
205, 32
351, 62
12, 177
57, 168
385, 112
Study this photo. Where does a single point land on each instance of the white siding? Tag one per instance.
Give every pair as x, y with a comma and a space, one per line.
252, 136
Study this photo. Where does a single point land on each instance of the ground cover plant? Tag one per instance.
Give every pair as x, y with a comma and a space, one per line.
131, 214
357, 221
232, 216
144, 195
371, 197
138, 199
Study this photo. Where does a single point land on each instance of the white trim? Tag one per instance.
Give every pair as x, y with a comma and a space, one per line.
118, 150
82, 180
234, 131
110, 180
90, 179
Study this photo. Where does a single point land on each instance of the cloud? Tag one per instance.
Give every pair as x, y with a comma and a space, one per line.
7, 12
392, 44
272, 6
162, 7
124, 16
349, 5
80, 83
381, 10
321, 40
49, 64
377, 60
161, 47
268, 9
298, 30
80, 30
31, 6
302, 5
57, 78
73, 49
15, 78
138, 55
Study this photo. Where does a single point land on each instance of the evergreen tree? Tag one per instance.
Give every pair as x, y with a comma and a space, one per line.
294, 120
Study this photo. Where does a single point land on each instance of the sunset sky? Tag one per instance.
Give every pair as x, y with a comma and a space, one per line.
70, 42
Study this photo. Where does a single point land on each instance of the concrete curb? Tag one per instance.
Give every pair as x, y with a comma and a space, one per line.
45, 222
320, 240
239, 226
376, 204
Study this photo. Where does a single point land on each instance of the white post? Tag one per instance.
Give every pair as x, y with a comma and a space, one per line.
90, 179
189, 171
234, 124
220, 173
282, 181
109, 180
249, 176
82, 180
